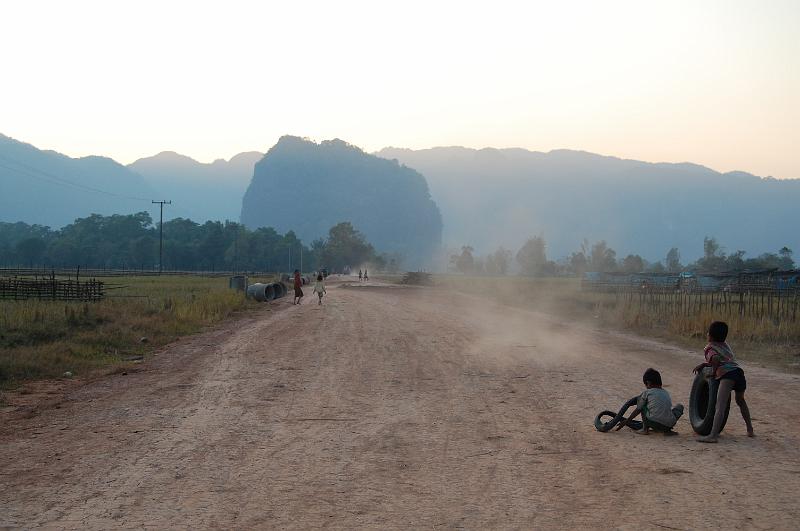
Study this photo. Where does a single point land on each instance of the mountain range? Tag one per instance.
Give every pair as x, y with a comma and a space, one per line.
487, 197
490, 197
199, 191
48, 188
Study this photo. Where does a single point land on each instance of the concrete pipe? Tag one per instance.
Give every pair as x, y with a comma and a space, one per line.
278, 289
238, 282
261, 292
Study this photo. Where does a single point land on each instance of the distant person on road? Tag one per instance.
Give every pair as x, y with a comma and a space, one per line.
319, 288
655, 405
298, 287
359, 275
366, 276
720, 357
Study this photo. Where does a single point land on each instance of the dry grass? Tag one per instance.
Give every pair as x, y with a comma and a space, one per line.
44, 339
757, 340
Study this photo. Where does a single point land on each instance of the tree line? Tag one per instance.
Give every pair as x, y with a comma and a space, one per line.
531, 260
132, 242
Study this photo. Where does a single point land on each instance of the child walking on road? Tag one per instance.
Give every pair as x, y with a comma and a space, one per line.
319, 288
655, 405
298, 287
720, 358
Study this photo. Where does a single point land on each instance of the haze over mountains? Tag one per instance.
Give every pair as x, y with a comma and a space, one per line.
307, 187
199, 191
48, 188
490, 197
487, 197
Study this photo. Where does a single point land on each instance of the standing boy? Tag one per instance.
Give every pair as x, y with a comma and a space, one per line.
720, 358
298, 287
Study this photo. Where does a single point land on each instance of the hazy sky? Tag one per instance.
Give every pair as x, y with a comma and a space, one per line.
713, 82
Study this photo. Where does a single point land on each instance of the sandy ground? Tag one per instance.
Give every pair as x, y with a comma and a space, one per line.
391, 408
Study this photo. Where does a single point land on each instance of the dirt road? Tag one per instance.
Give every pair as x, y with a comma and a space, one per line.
392, 408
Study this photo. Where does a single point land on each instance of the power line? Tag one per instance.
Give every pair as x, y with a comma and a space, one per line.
54, 179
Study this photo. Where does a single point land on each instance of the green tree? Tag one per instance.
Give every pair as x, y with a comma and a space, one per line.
633, 263
346, 246
31, 250
673, 260
464, 262
143, 252
212, 248
786, 260
502, 260
578, 263
532, 256
735, 261
714, 258
602, 257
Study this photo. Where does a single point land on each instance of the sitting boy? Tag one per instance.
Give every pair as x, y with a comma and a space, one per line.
655, 405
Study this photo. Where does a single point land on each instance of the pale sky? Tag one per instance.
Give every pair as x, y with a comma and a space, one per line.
712, 82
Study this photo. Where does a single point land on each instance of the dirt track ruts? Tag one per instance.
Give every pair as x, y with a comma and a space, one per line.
395, 407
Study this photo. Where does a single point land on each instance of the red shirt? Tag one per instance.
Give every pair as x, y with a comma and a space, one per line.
297, 282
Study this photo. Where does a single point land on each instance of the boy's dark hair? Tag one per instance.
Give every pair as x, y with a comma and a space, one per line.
651, 375
718, 330
319, 277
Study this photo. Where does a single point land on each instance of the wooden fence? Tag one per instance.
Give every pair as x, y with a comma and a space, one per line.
51, 289
777, 305
95, 273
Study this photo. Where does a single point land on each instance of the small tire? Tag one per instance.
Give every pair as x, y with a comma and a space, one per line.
703, 404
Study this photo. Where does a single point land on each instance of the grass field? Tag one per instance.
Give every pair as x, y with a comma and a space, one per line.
762, 341
45, 339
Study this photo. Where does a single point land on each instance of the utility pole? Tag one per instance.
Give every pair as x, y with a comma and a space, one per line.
301, 258
161, 234
236, 249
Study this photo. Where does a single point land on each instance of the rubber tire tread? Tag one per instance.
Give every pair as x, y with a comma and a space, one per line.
703, 421
601, 426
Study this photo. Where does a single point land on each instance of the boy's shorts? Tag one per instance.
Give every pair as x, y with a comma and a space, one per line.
739, 381
677, 411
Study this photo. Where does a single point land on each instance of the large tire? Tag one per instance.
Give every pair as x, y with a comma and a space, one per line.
703, 404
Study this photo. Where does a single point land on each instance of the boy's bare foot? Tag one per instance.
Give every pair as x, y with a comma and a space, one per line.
707, 439
750, 433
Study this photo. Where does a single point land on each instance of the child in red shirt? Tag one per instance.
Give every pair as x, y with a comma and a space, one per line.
720, 358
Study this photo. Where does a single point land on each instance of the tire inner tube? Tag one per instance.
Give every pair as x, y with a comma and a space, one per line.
617, 417
703, 403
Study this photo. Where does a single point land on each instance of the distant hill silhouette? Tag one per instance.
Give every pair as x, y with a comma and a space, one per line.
487, 197
199, 191
307, 187
501, 196
48, 188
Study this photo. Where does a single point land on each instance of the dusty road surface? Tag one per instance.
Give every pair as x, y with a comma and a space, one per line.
392, 408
